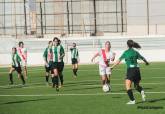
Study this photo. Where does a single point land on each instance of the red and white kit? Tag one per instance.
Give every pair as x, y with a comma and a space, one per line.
22, 52
104, 62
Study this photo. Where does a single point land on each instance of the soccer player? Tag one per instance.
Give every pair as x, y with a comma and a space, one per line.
58, 54
74, 59
133, 72
105, 56
61, 63
16, 66
48, 59
22, 52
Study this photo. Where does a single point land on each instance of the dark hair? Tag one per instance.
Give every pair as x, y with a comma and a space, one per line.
49, 42
59, 41
132, 44
55, 38
108, 42
74, 44
20, 43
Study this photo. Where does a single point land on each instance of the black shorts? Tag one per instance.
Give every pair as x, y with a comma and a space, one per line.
55, 65
133, 74
49, 68
60, 66
18, 69
74, 61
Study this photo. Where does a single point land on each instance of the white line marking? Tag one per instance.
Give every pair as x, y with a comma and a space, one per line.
78, 94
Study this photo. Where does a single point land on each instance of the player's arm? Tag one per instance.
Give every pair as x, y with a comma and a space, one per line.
113, 56
118, 61
78, 56
97, 54
142, 58
26, 53
45, 57
62, 52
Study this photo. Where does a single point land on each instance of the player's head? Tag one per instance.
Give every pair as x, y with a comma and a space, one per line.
132, 44
21, 44
14, 50
50, 43
107, 45
74, 44
55, 41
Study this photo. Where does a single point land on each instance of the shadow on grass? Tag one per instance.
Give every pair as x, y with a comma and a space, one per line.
24, 101
152, 100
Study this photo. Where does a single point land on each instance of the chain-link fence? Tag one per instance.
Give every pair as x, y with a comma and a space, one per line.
23, 17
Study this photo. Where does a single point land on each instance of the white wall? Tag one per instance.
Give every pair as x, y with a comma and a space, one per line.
153, 48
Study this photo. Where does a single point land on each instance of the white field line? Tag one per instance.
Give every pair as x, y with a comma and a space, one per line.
74, 94
68, 70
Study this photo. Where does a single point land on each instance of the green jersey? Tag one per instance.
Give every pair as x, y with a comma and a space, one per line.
16, 60
131, 56
74, 53
48, 54
58, 51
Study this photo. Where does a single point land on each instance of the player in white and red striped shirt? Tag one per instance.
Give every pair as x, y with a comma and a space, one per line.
105, 56
22, 52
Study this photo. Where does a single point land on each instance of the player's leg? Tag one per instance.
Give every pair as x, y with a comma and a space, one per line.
47, 75
20, 75
55, 76
128, 84
55, 79
108, 74
61, 67
104, 79
24, 64
76, 68
102, 71
140, 90
11, 75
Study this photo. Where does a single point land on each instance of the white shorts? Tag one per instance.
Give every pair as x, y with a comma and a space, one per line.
24, 63
104, 70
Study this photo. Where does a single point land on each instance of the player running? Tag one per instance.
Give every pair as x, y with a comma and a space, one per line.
133, 72
22, 52
74, 59
105, 56
48, 59
16, 66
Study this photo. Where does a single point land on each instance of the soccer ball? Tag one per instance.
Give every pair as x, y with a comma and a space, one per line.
106, 88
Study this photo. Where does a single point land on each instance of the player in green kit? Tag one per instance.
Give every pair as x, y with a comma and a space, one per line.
61, 63
74, 59
16, 66
48, 59
58, 54
133, 71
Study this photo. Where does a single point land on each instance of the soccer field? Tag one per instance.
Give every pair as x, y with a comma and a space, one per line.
84, 94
